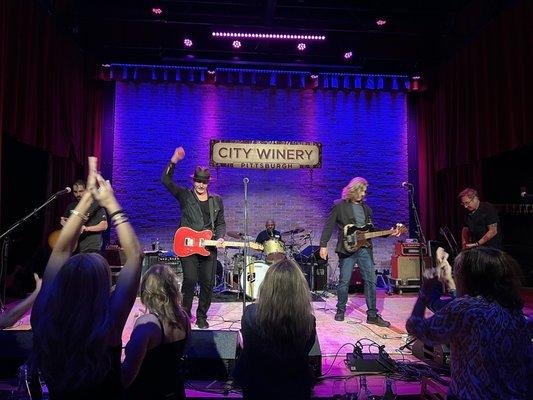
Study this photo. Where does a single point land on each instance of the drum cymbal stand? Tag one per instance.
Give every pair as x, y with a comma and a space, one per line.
314, 262
223, 286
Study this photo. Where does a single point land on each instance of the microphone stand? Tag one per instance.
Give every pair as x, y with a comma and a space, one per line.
4, 252
421, 238
246, 244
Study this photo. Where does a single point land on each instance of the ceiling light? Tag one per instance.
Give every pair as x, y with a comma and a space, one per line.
348, 55
187, 42
276, 36
301, 46
381, 21
236, 44
157, 11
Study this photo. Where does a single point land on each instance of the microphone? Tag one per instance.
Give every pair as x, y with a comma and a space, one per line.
245, 180
64, 191
407, 185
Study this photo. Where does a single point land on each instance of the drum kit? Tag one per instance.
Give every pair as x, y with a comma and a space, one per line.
257, 263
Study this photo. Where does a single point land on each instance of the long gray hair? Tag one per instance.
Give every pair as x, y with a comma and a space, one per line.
356, 184
284, 311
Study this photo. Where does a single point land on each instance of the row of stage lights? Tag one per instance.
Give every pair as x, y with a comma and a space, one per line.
237, 44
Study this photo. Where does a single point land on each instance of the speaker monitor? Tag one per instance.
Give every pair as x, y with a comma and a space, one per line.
315, 358
211, 354
15, 348
407, 267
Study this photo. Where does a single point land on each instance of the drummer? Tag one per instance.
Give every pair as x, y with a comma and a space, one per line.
269, 233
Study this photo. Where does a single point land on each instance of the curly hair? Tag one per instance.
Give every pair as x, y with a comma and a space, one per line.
160, 293
356, 184
284, 311
491, 274
70, 337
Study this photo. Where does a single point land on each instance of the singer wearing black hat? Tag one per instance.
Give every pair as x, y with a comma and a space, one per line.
199, 210
95, 222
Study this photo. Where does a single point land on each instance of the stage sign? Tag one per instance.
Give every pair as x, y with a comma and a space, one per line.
265, 155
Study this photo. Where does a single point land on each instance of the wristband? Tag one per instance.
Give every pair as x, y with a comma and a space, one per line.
116, 212
79, 214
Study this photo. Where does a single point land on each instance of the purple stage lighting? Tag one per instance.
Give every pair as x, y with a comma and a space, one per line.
157, 11
187, 42
267, 36
301, 46
236, 44
348, 55
381, 22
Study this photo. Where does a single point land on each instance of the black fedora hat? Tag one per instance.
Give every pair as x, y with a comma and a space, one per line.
201, 174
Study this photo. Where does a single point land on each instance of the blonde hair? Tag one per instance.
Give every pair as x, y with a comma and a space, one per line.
284, 312
356, 184
160, 293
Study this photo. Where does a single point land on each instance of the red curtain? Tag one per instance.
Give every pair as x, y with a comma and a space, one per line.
48, 97
478, 105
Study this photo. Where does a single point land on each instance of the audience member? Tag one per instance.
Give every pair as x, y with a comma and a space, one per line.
278, 332
77, 321
11, 316
154, 354
491, 351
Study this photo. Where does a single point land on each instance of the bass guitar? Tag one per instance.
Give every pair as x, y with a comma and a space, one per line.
187, 242
356, 237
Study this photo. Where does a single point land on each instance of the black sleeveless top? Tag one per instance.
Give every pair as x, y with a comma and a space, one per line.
160, 376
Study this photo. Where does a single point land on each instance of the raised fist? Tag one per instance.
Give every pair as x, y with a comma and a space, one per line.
178, 155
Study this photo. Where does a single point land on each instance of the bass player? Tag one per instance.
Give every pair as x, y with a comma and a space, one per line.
351, 209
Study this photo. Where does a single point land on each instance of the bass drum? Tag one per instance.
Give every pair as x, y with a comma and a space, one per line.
255, 274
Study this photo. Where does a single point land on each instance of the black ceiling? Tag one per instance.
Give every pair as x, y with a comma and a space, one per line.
418, 33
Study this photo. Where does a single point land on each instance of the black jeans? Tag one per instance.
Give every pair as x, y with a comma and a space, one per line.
201, 269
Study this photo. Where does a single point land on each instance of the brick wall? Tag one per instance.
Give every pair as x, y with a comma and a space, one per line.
363, 134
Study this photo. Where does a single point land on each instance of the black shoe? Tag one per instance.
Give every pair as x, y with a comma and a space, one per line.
377, 320
339, 316
202, 323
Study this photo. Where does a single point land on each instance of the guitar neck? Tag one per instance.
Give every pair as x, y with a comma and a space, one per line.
370, 235
229, 244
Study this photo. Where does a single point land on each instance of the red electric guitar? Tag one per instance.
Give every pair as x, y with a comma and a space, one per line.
187, 242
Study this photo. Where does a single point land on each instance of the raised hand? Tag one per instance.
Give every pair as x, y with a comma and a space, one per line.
103, 192
179, 154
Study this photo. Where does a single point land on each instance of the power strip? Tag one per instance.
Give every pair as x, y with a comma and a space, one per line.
370, 362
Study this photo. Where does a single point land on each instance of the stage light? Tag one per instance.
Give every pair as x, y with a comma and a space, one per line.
157, 11
187, 42
348, 55
236, 44
275, 36
381, 21
301, 46
415, 77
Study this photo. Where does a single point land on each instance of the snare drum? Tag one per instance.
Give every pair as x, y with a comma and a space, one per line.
274, 250
255, 275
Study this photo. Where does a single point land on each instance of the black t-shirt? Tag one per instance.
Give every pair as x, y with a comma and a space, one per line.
265, 235
478, 221
204, 206
89, 242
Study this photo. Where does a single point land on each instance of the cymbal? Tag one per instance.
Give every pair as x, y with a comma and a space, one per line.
293, 231
238, 235
235, 234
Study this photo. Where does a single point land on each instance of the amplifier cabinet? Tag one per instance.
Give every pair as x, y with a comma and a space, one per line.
407, 267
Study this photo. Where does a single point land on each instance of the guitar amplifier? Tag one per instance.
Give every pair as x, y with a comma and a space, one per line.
161, 257
408, 249
407, 267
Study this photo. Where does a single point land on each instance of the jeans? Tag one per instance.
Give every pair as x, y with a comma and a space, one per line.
363, 258
198, 268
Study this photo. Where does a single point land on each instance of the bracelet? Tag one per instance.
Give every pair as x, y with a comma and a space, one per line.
478, 244
119, 219
79, 214
116, 212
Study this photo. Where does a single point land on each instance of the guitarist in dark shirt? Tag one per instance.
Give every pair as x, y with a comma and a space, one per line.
352, 209
199, 210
